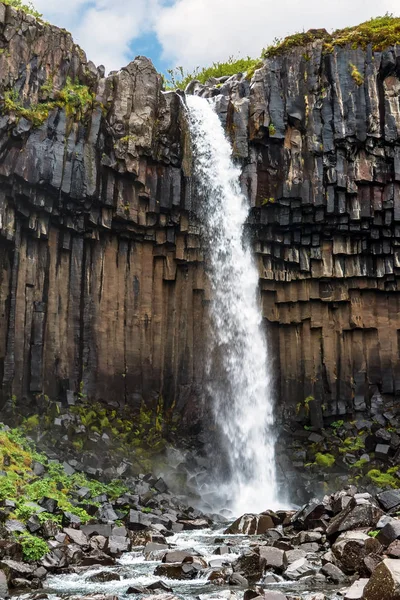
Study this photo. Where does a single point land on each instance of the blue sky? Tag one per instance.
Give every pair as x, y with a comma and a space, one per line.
194, 33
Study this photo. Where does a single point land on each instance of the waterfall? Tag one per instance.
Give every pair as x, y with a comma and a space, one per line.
239, 382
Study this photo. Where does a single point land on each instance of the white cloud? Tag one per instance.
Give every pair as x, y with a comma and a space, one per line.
197, 32
102, 28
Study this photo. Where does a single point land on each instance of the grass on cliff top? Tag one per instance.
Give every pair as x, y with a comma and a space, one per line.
381, 32
27, 8
179, 78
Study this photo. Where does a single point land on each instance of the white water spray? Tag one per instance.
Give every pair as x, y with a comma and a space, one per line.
240, 386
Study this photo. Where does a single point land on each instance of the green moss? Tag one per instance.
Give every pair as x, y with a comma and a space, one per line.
324, 460
383, 480
360, 463
380, 32
264, 203
352, 444
337, 424
271, 129
75, 98
356, 75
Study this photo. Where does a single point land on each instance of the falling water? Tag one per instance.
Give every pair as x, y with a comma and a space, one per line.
240, 387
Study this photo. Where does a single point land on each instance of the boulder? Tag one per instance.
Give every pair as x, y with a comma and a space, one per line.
176, 556
104, 576
272, 558
76, 536
393, 551
117, 544
333, 573
389, 533
300, 568
385, 582
359, 513
389, 500
349, 550
239, 580
250, 524
355, 592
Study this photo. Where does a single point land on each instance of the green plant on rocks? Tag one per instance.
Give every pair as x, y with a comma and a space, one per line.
33, 547
384, 480
380, 32
74, 97
179, 78
324, 460
356, 75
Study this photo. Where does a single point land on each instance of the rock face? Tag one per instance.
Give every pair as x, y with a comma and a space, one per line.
102, 283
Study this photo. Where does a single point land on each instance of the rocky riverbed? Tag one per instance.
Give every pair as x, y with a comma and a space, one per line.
345, 545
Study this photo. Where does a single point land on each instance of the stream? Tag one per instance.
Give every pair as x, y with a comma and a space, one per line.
134, 570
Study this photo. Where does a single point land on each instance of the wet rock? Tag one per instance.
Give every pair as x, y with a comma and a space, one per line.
237, 579
193, 524
249, 566
15, 569
293, 555
158, 586
251, 525
104, 576
177, 556
384, 582
170, 570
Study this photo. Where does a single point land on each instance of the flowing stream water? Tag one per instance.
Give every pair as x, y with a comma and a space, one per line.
239, 382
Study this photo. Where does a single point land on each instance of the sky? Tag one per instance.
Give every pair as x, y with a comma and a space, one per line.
191, 33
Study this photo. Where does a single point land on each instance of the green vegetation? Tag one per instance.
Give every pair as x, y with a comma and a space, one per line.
25, 488
26, 8
33, 548
337, 424
271, 129
179, 78
267, 201
324, 460
381, 32
352, 444
359, 464
75, 98
356, 75
374, 533
384, 480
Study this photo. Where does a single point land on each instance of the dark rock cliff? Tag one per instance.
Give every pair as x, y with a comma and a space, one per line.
102, 281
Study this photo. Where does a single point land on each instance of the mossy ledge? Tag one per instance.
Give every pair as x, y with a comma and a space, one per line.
380, 32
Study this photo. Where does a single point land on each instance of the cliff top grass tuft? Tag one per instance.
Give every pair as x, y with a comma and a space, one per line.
179, 78
27, 8
381, 32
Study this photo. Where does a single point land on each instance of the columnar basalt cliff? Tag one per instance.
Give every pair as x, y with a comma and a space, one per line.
103, 284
